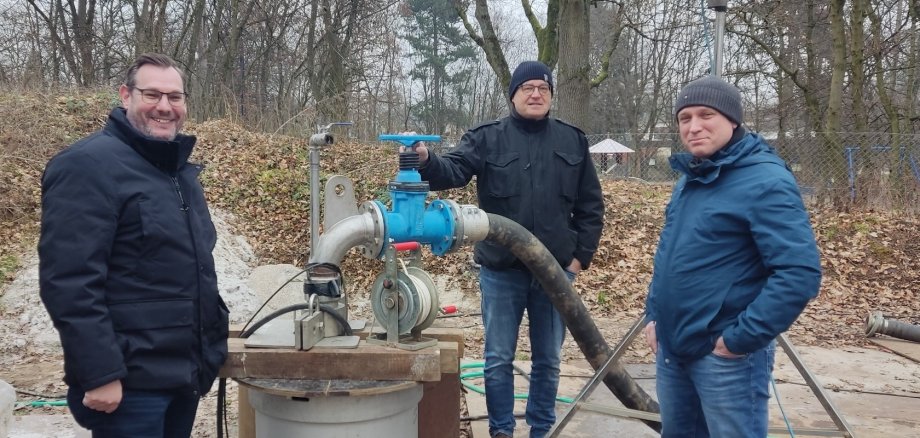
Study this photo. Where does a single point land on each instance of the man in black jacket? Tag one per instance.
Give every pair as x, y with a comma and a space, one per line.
126, 271
535, 170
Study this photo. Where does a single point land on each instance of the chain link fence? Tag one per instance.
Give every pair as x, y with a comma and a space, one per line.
877, 170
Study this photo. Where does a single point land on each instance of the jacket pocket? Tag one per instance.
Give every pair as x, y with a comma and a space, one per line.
567, 166
503, 175
150, 315
151, 229
159, 342
222, 320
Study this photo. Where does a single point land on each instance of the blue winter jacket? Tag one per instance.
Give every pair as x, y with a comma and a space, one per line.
125, 269
737, 256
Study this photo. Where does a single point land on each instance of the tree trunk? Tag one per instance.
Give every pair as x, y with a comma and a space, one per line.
54, 18
488, 41
83, 15
857, 63
573, 86
833, 142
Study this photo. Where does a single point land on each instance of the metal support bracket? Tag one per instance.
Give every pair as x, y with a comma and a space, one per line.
580, 401
816, 387
391, 338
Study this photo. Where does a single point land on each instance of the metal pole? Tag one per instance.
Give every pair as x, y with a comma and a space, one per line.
580, 400
317, 142
314, 196
816, 388
721, 7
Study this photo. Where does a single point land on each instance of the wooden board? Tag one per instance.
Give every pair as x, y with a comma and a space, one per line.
439, 409
908, 349
367, 362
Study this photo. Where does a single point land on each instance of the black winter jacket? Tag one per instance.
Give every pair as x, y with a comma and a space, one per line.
536, 173
126, 270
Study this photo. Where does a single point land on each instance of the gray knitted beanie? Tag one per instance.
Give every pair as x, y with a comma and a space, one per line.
713, 92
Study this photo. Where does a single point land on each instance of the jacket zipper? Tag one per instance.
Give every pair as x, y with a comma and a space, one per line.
197, 299
182, 205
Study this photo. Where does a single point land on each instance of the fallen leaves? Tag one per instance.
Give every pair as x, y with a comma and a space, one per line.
868, 257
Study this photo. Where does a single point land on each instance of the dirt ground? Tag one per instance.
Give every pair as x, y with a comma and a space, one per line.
31, 361
858, 377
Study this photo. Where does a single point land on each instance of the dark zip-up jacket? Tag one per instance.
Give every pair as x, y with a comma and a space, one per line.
737, 256
126, 270
536, 173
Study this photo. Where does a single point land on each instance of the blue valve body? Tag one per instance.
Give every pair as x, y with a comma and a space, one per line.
410, 220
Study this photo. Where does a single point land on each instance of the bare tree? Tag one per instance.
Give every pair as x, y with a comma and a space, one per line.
71, 28
150, 25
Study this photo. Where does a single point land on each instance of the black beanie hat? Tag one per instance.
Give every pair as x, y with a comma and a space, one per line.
713, 92
528, 70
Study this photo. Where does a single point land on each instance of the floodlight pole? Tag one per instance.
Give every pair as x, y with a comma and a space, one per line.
721, 7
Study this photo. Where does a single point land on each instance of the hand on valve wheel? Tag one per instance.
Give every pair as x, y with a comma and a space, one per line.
418, 147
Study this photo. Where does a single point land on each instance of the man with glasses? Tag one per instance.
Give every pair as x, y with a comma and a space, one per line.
126, 270
535, 170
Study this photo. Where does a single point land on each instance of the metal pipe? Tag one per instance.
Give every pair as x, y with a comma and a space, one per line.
358, 230
549, 273
317, 141
719, 43
367, 229
314, 196
721, 7
876, 323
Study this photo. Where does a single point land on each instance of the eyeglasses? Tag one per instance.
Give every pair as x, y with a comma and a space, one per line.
528, 89
153, 96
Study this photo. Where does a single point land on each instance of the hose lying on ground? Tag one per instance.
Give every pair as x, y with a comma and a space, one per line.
877, 323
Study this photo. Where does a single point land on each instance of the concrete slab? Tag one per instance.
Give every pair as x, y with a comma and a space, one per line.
908, 349
877, 393
44, 426
584, 424
7, 401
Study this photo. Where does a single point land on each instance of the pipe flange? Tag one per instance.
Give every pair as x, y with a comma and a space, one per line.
374, 209
874, 322
457, 238
447, 211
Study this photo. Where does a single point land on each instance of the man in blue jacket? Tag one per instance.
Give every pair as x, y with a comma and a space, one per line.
536, 171
126, 271
735, 266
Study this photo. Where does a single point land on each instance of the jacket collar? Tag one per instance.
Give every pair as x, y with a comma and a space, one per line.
747, 149
528, 125
167, 156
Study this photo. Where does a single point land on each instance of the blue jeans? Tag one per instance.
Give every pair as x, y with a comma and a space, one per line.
141, 414
714, 396
505, 295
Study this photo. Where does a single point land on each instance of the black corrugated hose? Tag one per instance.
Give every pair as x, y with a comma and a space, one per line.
546, 269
